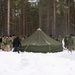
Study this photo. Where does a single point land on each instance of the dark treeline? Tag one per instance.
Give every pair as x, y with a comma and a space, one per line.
21, 17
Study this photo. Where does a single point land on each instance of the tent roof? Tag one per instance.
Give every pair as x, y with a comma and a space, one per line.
39, 38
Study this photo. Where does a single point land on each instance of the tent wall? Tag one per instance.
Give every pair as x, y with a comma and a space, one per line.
43, 49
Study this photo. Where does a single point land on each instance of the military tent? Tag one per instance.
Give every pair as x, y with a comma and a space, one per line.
40, 42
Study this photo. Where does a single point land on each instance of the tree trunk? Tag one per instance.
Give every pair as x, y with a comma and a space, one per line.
40, 16
68, 17
24, 18
48, 20
8, 19
54, 25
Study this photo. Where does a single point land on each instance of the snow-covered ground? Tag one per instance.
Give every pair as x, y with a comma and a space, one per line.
61, 63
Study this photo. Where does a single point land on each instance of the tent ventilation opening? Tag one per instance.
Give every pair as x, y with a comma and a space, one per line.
38, 29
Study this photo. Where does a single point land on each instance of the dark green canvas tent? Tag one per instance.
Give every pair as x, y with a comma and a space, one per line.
40, 42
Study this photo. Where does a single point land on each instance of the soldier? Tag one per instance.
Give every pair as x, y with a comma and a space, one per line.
70, 43
3, 42
66, 42
73, 42
0, 41
16, 44
59, 38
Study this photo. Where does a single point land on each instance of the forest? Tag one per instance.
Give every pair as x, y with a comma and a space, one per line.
23, 17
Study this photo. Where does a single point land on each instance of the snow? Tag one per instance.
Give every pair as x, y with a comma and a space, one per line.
60, 63
32, 0
29, 63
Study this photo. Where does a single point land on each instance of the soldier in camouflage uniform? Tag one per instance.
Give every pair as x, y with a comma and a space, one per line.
70, 43
73, 42
66, 42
